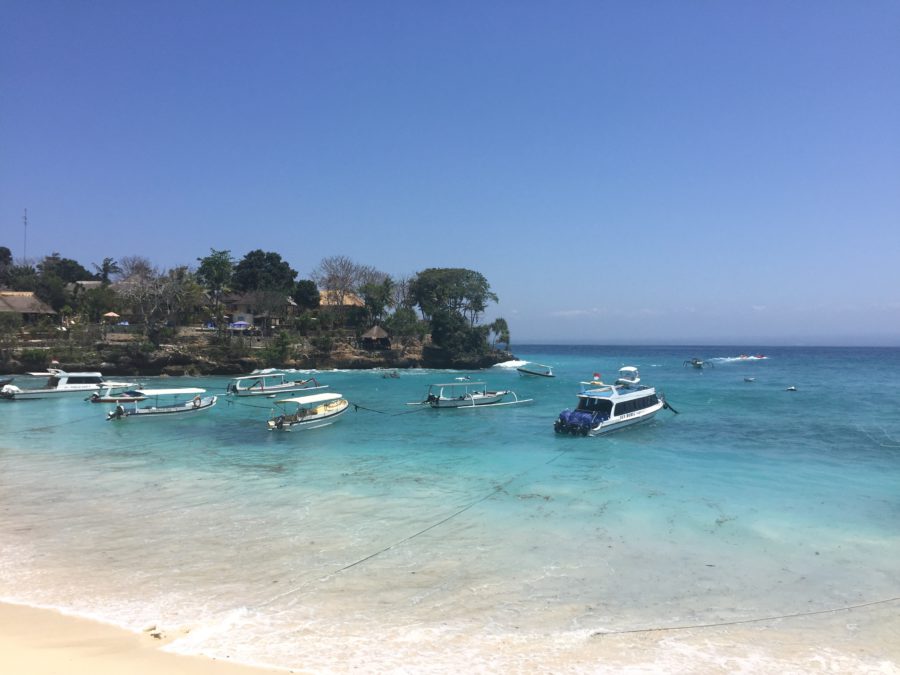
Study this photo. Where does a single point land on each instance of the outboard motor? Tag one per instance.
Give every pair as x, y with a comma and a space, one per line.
575, 422
118, 413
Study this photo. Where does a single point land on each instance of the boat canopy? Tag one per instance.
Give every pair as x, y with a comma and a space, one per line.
171, 392
462, 383
312, 398
258, 376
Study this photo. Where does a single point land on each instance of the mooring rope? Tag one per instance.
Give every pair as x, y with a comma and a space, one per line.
736, 622
497, 489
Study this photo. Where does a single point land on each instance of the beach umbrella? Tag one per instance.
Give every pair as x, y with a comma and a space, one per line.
240, 324
111, 315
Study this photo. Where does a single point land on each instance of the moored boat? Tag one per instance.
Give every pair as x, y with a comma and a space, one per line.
59, 382
270, 384
177, 402
607, 407
117, 393
535, 370
308, 412
466, 394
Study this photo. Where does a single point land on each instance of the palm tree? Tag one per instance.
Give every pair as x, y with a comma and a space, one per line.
107, 268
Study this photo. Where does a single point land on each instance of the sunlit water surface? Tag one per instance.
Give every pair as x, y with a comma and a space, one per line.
408, 539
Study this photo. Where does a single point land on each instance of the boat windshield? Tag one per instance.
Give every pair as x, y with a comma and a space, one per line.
593, 405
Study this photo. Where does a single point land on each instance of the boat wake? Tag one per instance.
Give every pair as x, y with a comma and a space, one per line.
510, 364
742, 357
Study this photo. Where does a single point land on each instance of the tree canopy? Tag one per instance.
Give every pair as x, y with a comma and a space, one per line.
263, 271
458, 290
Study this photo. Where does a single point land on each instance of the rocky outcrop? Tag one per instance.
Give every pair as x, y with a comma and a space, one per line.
195, 358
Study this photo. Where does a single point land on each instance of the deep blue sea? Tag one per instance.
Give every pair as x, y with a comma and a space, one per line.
406, 539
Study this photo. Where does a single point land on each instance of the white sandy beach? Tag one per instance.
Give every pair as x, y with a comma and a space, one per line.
45, 642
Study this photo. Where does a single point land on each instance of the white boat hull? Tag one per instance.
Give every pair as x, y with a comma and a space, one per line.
14, 393
165, 411
469, 401
298, 422
628, 420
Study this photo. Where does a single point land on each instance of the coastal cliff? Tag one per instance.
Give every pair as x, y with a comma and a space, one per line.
197, 354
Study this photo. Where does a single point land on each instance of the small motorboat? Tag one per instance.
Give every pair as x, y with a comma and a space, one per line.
700, 364
535, 370
308, 412
749, 379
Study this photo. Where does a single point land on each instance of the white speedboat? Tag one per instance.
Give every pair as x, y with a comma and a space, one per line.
466, 394
535, 370
607, 407
308, 412
60, 383
270, 384
178, 402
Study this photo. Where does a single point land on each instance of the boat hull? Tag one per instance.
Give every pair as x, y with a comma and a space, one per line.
166, 411
296, 422
17, 394
491, 398
609, 425
274, 391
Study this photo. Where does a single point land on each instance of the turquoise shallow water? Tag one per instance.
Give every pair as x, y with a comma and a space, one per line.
415, 539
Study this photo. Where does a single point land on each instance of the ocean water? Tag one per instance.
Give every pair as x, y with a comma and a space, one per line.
405, 539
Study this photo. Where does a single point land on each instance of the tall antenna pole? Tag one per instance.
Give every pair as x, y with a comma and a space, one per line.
25, 245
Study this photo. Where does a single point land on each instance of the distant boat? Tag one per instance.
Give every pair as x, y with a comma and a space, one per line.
749, 379
309, 412
791, 388
270, 384
167, 403
699, 363
607, 407
536, 369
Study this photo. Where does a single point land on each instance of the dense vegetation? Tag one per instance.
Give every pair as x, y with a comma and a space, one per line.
446, 304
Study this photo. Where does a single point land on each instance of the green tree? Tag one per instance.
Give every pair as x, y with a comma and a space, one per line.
452, 332
262, 271
95, 302
106, 269
6, 262
215, 273
378, 298
66, 269
499, 329
456, 290
306, 294
22, 277
406, 323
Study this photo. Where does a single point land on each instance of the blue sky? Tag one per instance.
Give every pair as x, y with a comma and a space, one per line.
630, 172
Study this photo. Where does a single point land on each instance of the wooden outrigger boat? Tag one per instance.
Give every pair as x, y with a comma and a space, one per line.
186, 401
309, 412
465, 394
270, 384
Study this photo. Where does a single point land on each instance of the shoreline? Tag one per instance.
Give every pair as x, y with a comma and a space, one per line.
40, 641
37, 641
